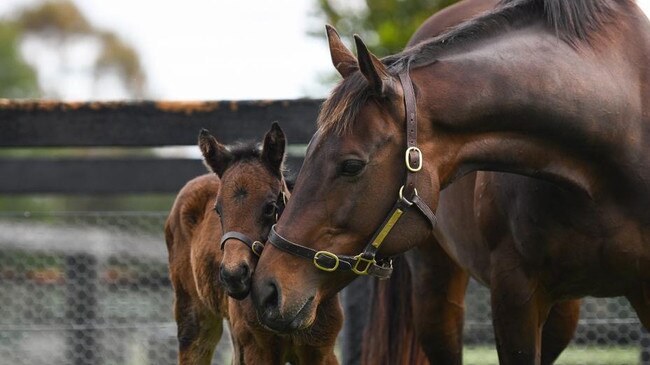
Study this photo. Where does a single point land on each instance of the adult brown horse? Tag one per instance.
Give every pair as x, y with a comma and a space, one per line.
438, 313
552, 89
245, 189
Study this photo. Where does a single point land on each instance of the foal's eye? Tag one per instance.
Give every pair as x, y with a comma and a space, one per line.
217, 209
269, 209
351, 167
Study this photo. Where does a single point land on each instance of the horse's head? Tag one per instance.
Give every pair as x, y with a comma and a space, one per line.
252, 190
345, 197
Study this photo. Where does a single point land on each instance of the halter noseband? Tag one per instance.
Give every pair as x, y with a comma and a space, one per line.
366, 262
255, 246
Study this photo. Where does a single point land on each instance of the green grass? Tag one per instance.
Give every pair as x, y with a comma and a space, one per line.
574, 355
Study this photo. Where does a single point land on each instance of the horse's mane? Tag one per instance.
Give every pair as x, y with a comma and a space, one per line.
245, 151
574, 21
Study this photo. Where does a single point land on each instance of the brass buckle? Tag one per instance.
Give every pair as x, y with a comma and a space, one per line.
328, 254
408, 162
257, 248
368, 262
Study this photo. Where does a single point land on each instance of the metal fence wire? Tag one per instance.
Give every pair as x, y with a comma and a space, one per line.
93, 288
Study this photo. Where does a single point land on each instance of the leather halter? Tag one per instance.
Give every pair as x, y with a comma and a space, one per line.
255, 246
366, 262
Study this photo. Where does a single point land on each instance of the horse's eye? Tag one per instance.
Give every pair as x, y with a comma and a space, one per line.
351, 167
269, 209
217, 209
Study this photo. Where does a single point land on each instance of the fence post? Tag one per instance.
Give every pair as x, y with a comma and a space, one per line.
81, 287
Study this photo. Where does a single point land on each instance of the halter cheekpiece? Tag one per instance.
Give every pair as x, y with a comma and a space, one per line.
255, 246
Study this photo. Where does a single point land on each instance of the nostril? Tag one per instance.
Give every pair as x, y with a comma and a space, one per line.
243, 270
223, 273
272, 299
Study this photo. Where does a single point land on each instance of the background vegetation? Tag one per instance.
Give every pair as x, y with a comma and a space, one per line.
57, 24
386, 28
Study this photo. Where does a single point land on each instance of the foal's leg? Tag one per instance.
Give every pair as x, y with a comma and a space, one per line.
438, 294
519, 310
199, 331
559, 329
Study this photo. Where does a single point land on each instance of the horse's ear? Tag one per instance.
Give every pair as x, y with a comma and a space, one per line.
371, 67
215, 155
273, 148
343, 60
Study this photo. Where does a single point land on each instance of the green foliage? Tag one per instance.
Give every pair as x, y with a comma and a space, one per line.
17, 78
385, 25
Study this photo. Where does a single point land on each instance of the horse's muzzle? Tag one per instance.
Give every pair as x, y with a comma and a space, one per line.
268, 302
237, 282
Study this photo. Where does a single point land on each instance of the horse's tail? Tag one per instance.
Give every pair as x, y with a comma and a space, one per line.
389, 337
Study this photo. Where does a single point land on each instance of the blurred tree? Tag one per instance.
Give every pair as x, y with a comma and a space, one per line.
59, 19
385, 25
61, 22
17, 78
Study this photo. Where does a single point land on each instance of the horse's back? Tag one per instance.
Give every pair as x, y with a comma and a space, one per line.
191, 201
450, 17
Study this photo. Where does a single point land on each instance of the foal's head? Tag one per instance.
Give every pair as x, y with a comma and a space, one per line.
252, 189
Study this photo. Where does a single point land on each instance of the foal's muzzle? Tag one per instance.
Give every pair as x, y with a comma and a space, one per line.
237, 281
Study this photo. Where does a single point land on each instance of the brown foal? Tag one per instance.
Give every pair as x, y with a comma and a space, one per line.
242, 196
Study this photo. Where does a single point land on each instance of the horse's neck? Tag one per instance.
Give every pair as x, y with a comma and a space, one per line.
528, 103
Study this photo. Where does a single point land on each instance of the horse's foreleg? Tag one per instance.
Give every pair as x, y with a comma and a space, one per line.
438, 295
519, 310
559, 329
199, 332
640, 300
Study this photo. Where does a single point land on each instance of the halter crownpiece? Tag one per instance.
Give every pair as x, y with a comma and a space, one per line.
366, 263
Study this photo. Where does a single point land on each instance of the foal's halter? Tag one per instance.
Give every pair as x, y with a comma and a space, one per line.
366, 262
255, 246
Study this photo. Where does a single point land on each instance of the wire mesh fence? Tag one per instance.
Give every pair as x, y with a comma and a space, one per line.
85, 288
92, 288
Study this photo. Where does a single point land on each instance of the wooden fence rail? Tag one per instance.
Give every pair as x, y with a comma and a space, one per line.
36, 124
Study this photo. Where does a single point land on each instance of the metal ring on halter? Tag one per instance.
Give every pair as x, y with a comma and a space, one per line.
408, 162
401, 193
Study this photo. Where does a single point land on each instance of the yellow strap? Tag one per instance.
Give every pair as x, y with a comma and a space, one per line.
389, 225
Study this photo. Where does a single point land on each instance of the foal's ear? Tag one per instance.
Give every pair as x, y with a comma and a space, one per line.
273, 148
343, 60
215, 155
372, 68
